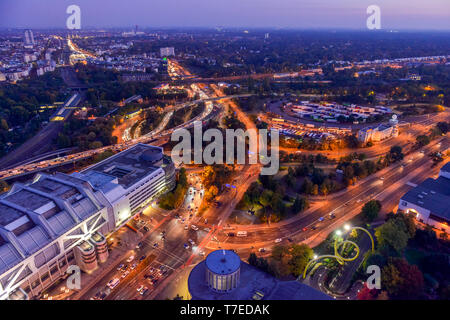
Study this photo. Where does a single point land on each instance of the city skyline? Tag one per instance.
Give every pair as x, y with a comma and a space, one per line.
322, 14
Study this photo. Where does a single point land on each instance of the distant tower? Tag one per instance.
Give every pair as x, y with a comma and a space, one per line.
29, 38
136, 29
266, 36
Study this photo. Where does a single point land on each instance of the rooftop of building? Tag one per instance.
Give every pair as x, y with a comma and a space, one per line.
223, 262
446, 167
128, 166
433, 195
9, 215
49, 197
251, 281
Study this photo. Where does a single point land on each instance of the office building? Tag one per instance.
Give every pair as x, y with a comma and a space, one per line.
222, 270
29, 38
429, 201
166, 52
58, 220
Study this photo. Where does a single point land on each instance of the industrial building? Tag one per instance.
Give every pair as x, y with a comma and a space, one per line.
429, 201
59, 220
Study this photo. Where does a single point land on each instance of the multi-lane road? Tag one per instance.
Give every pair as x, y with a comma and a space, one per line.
387, 185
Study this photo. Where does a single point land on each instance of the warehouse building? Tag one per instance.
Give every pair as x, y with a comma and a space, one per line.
430, 200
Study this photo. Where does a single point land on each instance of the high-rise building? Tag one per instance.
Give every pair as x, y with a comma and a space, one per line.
29, 38
168, 51
60, 220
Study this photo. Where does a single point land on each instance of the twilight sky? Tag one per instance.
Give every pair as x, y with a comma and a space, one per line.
395, 14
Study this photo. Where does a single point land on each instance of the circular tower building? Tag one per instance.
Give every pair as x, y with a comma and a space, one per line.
222, 270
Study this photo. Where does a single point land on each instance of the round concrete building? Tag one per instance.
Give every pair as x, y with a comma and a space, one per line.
222, 270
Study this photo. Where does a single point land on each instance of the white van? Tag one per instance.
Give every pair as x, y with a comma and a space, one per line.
241, 234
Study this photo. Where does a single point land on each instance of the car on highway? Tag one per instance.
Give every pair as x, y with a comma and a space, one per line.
144, 291
139, 245
125, 274
120, 267
139, 289
113, 283
155, 245
131, 258
262, 250
321, 219
191, 242
133, 266
186, 246
313, 228
195, 228
142, 257
278, 240
99, 296
305, 229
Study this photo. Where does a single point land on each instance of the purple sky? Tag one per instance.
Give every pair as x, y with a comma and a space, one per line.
395, 14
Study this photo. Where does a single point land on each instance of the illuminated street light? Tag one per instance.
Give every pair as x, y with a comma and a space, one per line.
339, 232
347, 227
315, 256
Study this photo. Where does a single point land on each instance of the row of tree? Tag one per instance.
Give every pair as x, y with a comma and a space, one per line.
284, 261
175, 198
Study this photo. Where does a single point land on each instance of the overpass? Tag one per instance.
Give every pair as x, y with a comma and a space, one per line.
27, 169
44, 156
